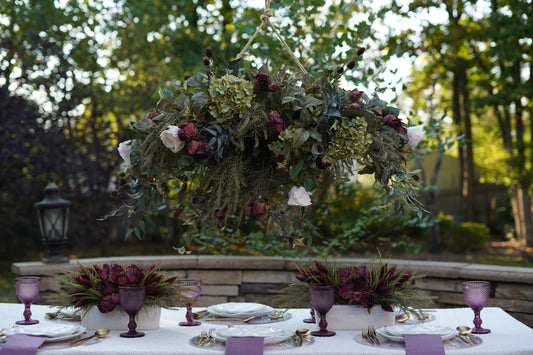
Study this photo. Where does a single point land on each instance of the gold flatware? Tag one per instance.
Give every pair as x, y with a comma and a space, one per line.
364, 333
301, 334
278, 314
403, 318
203, 335
230, 319
454, 341
466, 332
61, 316
100, 333
200, 315
372, 333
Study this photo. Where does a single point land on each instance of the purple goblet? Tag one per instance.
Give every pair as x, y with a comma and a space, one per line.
476, 294
190, 288
312, 319
322, 299
27, 289
131, 300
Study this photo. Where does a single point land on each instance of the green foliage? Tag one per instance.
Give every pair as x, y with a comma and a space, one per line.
463, 236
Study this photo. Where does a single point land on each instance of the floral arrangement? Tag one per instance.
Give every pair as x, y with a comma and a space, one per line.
380, 283
257, 145
98, 286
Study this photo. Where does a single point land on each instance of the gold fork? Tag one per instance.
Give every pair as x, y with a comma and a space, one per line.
364, 333
372, 333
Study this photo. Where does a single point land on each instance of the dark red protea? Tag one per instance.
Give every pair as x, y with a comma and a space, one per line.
106, 305
134, 275
106, 288
187, 131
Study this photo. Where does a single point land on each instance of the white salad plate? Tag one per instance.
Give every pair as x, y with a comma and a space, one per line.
239, 309
271, 335
396, 332
53, 333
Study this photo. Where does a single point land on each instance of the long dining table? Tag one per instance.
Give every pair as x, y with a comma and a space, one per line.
508, 335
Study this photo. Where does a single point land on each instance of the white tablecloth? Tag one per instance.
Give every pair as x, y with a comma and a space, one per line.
508, 336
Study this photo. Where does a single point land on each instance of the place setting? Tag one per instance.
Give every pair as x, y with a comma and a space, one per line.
235, 313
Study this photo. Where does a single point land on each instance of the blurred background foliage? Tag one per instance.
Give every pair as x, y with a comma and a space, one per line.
74, 73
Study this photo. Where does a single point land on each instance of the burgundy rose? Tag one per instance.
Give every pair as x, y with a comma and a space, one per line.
134, 274
275, 124
356, 95
196, 147
394, 122
115, 298
187, 131
106, 288
262, 82
273, 87
106, 305
258, 208
153, 114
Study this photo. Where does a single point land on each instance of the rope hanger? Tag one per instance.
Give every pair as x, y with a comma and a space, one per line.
265, 18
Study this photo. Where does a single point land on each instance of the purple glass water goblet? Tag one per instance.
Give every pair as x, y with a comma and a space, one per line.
312, 319
27, 289
190, 288
322, 299
476, 294
132, 300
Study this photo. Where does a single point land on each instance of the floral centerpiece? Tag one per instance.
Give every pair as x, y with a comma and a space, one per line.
98, 286
380, 284
257, 145
364, 295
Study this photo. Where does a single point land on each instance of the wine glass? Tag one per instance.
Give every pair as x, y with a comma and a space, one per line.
312, 319
132, 300
190, 288
476, 294
27, 289
322, 299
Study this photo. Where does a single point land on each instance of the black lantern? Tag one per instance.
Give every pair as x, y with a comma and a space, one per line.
53, 221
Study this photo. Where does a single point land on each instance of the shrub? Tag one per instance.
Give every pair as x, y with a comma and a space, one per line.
469, 236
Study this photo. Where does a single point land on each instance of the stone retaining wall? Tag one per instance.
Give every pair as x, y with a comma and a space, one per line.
241, 278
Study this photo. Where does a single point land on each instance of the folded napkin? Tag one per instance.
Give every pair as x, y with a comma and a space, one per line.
244, 346
20, 344
423, 344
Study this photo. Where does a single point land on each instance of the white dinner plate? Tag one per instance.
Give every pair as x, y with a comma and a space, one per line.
396, 332
239, 309
271, 335
53, 333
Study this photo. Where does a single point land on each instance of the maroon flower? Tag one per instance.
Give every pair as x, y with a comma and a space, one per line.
82, 280
351, 64
153, 114
106, 288
134, 274
81, 303
360, 51
262, 82
195, 147
187, 131
346, 292
322, 162
207, 62
150, 289
115, 298
209, 52
354, 105
275, 124
394, 122
178, 211
106, 305
366, 298
258, 208
117, 275
273, 87
356, 95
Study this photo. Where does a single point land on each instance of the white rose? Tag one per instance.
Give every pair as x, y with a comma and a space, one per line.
171, 140
124, 149
415, 135
299, 197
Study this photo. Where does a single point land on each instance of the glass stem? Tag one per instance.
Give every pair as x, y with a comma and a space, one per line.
322, 324
189, 316
477, 319
27, 312
132, 325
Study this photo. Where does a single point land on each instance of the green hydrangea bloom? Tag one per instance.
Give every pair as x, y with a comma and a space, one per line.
230, 96
350, 139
